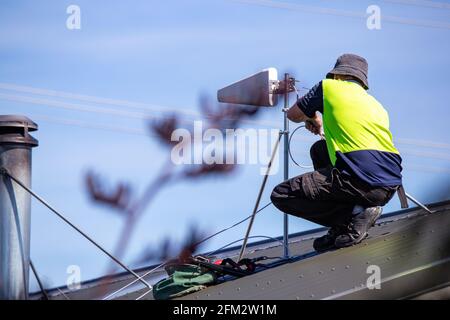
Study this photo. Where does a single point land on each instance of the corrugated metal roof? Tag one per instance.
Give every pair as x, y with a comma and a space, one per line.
411, 248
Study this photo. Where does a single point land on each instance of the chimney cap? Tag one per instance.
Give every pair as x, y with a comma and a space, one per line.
14, 129
17, 121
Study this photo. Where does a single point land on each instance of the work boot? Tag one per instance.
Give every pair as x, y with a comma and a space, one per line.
358, 227
326, 242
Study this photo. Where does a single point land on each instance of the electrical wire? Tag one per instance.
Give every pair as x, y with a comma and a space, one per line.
38, 279
143, 295
88, 125
126, 130
232, 226
421, 3
103, 101
292, 134
78, 107
135, 280
63, 294
289, 149
343, 13
425, 154
94, 99
162, 111
210, 254
120, 113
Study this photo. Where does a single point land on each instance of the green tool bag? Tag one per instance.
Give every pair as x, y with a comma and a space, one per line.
183, 279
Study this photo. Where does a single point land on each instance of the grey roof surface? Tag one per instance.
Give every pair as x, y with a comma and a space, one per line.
411, 248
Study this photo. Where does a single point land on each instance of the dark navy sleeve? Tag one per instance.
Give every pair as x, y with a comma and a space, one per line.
312, 101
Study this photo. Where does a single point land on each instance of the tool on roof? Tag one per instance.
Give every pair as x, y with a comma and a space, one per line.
197, 273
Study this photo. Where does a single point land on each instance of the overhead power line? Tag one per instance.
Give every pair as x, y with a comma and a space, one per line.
80, 107
423, 143
160, 110
87, 125
422, 3
126, 130
99, 110
116, 102
423, 168
99, 100
146, 115
343, 13
434, 155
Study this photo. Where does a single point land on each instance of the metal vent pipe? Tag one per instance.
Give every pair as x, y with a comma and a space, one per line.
15, 157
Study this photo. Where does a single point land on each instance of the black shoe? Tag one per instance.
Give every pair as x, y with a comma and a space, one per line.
358, 227
326, 242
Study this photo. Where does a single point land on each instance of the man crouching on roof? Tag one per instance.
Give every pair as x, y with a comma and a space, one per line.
357, 168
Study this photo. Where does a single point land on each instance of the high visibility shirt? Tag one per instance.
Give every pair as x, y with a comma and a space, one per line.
356, 128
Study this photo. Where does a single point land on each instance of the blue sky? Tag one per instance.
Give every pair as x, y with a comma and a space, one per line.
168, 53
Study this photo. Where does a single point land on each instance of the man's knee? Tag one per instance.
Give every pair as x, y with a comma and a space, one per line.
288, 200
319, 154
315, 147
287, 195
278, 194
281, 195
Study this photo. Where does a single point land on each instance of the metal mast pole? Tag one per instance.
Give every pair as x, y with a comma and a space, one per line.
15, 203
286, 162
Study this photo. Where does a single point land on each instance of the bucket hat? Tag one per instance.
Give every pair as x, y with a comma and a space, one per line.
351, 65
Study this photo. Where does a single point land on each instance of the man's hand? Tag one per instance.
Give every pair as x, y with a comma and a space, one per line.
314, 125
295, 114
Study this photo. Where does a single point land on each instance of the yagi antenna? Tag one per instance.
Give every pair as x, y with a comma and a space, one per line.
256, 90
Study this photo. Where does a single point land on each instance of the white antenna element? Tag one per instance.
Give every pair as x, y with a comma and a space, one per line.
255, 90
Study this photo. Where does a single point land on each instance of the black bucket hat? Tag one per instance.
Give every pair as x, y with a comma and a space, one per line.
351, 65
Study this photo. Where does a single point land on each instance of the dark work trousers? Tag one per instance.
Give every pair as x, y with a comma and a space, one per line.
326, 196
